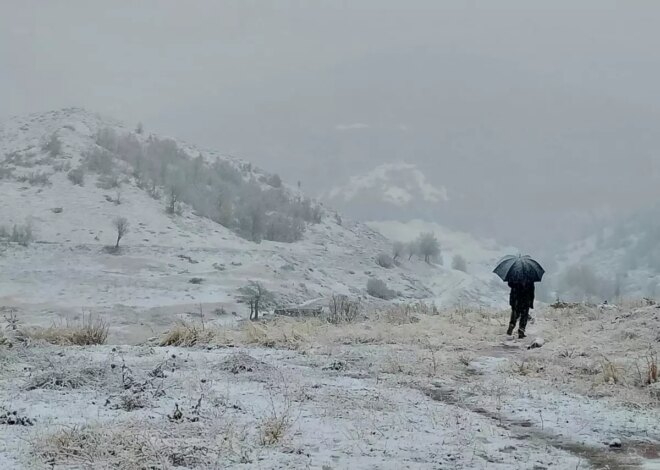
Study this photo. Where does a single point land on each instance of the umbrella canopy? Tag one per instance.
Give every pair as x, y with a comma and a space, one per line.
519, 269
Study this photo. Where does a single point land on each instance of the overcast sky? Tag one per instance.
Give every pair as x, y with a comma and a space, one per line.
536, 119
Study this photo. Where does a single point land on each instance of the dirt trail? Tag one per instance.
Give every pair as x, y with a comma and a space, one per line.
633, 455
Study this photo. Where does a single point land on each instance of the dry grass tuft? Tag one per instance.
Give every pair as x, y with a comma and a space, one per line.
188, 334
128, 446
279, 421
96, 447
90, 331
59, 379
612, 373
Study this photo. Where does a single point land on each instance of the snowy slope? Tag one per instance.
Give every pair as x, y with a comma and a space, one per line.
452, 286
67, 270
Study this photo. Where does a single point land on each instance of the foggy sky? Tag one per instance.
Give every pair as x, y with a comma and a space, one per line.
538, 120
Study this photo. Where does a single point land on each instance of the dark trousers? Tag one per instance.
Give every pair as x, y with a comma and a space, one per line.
522, 314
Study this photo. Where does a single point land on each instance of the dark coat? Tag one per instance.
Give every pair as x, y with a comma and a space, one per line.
522, 295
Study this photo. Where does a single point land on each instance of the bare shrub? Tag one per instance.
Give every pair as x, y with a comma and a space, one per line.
90, 331
121, 226
76, 176
648, 373
187, 335
377, 288
36, 178
401, 314
343, 310
278, 422
385, 261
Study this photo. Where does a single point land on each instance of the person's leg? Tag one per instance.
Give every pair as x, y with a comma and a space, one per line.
512, 321
524, 315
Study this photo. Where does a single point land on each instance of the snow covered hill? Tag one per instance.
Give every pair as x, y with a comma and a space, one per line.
60, 183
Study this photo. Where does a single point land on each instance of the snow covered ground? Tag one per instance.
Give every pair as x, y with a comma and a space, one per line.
405, 388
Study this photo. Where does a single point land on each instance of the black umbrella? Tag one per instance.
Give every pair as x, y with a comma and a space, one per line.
519, 269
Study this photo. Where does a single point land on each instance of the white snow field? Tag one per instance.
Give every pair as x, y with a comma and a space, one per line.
404, 388
143, 358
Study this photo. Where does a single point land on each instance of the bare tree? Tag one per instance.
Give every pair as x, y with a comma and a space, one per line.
397, 250
173, 198
121, 225
428, 246
412, 248
256, 296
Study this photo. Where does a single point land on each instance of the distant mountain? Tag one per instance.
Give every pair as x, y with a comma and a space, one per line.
618, 260
390, 190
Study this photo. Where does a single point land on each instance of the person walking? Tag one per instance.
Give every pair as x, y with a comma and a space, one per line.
521, 300
520, 272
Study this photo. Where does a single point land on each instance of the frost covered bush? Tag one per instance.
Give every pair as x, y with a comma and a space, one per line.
384, 261
76, 176
377, 288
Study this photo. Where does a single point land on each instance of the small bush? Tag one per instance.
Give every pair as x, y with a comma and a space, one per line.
377, 288
342, 309
384, 261
76, 176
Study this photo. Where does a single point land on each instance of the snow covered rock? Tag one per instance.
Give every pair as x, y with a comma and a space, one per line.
615, 443
537, 343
